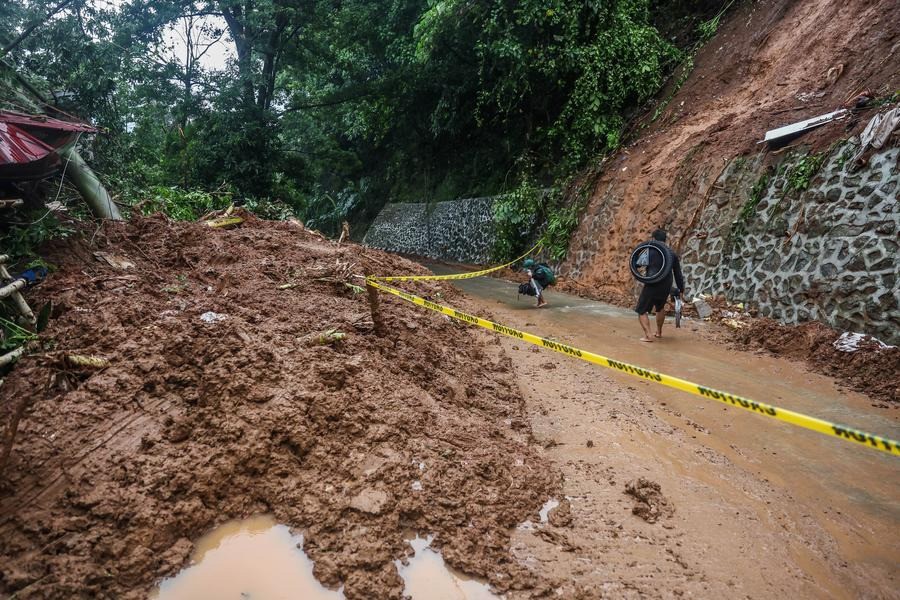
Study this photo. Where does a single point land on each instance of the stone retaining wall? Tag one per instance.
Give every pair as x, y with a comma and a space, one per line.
828, 253
459, 230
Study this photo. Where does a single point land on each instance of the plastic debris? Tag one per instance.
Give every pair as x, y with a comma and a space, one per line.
212, 317
704, 310
850, 342
331, 336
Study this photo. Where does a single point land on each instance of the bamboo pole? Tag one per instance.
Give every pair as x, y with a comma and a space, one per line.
12, 290
93, 192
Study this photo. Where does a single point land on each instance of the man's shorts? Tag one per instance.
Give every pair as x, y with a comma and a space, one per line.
652, 297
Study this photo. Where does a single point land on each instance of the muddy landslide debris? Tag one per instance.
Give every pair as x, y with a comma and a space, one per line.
192, 424
872, 368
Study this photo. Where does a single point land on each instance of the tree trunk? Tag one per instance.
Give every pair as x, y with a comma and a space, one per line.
89, 186
242, 44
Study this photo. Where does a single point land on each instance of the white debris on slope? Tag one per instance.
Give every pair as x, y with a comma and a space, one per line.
849, 342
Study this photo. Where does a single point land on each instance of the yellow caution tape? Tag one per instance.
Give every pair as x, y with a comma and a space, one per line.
471, 275
839, 431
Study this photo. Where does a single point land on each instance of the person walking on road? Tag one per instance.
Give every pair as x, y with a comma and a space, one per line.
655, 295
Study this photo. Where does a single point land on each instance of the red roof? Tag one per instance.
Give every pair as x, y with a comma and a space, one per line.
29, 144
17, 146
20, 144
43, 121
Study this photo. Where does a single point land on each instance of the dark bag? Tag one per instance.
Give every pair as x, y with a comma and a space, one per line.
526, 289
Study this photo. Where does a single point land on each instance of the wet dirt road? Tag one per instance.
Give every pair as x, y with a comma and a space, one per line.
764, 506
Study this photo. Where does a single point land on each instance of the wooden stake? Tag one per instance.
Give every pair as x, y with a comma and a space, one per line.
376, 313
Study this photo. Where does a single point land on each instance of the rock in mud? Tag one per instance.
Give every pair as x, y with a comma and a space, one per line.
651, 504
554, 537
370, 501
704, 310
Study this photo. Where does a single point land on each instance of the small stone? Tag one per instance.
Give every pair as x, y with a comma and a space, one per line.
704, 310
370, 501
866, 191
883, 265
828, 270
844, 252
886, 228
590, 443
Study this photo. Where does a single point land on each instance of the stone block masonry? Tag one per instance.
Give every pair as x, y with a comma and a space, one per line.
458, 230
827, 253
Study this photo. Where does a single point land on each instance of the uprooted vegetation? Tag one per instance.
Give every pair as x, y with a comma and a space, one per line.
228, 393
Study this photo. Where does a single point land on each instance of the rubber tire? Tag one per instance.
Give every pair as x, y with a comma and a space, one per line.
668, 261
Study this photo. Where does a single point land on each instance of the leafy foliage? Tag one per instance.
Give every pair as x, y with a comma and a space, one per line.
515, 215
328, 110
800, 173
21, 239
183, 205
739, 226
12, 336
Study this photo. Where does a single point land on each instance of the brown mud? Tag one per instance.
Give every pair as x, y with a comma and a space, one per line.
651, 504
761, 508
216, 406
872, 369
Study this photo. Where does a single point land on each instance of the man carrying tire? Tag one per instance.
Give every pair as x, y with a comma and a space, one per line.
655, 265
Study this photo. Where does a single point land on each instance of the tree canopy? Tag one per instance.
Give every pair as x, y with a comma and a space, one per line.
331, 108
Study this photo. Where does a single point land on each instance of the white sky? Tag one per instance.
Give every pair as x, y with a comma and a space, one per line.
175, 45
218, 54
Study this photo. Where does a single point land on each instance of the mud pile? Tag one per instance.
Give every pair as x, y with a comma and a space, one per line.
870, 368
650, 503
219, 403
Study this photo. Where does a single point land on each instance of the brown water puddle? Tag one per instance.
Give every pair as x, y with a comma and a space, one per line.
246, 560
427, 577
851, 491
258, 559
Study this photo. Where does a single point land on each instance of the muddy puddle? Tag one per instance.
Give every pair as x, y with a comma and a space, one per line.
253, 559
258, 559
427, 577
